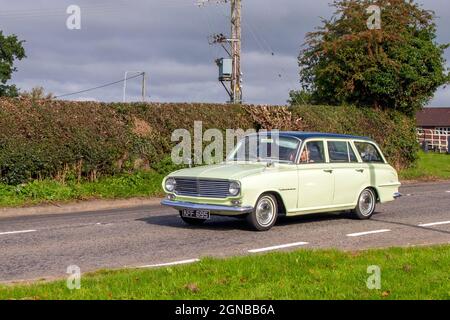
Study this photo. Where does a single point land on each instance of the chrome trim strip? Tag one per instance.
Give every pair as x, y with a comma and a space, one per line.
394, 184
179, 205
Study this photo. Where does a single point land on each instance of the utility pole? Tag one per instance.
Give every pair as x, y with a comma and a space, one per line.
144, 84
232, 45
236, 37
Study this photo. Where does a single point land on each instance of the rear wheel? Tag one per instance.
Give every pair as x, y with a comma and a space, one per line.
265, 213
192, 221
366, 204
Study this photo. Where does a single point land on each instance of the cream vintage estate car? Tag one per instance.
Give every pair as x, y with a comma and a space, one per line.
312, 173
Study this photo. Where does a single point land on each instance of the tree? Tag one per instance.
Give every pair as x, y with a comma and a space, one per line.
397, 66
298, 97
10, 50
37, 93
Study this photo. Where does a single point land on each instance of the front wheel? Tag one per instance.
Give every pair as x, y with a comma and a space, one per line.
366, 204
265, 213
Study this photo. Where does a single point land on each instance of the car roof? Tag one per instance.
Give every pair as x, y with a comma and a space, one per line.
319, 135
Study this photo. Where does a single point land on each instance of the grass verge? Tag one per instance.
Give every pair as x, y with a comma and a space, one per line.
140, 184
406, 273
430, 166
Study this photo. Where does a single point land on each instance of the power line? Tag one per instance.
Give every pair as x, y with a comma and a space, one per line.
60, 10
99, 87
92, 9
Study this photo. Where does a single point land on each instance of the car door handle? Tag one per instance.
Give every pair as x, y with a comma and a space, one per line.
360, 170
328, 170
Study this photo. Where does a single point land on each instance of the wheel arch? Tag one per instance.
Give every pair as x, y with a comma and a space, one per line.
373, 188
280, 202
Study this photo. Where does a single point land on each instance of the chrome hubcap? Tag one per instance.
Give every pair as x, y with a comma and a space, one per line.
366, 202
265, 211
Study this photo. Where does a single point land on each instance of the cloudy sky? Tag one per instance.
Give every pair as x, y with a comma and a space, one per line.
169, 40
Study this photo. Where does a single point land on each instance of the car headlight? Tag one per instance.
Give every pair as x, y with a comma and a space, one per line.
235, 188
170, 184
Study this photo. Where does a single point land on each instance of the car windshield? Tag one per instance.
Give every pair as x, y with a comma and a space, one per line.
265, 149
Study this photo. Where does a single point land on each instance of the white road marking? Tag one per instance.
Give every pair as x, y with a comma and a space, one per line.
16, 232
169, 264
367, 233
448, 191
434, 224
289, 245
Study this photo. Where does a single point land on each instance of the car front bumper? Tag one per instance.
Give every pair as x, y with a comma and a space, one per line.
213, 209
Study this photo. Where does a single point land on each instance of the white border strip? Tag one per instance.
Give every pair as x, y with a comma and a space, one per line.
434, 224
16, 232
169, 264
289, 245
367, 233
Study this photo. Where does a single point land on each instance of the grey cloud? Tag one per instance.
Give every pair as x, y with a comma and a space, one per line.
168, 39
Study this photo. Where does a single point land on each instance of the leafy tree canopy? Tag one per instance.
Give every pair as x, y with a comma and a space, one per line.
398, 66
300, 97
10, 50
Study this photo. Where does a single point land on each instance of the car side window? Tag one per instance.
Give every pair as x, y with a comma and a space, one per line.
313, 152
341, 152
368, 152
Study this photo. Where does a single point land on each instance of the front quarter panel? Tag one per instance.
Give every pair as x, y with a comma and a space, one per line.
282, 180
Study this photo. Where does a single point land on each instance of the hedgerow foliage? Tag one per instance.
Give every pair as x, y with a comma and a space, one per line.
84, 140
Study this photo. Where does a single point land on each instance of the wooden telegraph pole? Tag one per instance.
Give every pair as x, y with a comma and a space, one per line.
236, 36
232, 45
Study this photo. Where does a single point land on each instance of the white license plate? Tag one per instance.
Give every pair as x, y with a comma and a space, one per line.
196, 214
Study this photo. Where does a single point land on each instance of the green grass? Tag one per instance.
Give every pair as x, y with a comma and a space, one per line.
141, 184
430, 166
406, 273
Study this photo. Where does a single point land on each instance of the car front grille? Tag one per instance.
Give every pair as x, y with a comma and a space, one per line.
204, 188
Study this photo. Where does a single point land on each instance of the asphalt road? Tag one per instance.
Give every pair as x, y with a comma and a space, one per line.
36, 247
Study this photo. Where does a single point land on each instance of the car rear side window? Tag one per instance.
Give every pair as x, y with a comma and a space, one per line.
368, 152
341, 152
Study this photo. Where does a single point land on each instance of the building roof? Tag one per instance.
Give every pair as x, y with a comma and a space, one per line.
434, 117
307, 135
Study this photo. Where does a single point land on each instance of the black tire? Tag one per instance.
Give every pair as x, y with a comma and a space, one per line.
365, 207
191, 221
265, 214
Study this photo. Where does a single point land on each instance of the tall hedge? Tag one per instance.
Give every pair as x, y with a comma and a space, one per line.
83, 140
